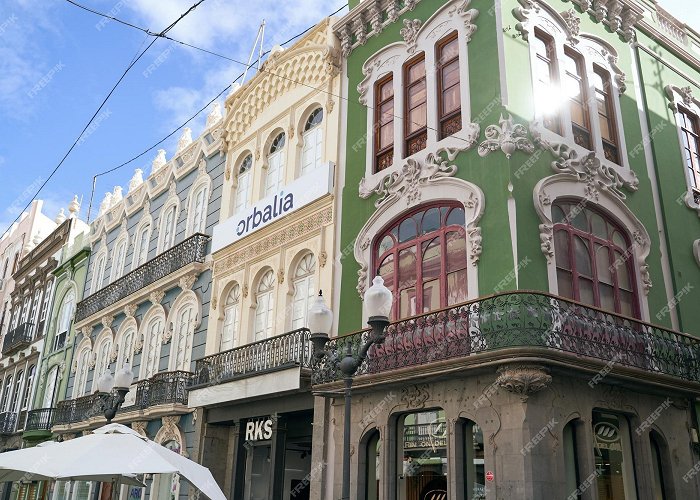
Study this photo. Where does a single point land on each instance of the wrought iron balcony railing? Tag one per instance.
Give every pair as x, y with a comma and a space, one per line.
162, 388
40, 420
520, 320
71, 411
192, 250
287, 350
18, 338
8, 422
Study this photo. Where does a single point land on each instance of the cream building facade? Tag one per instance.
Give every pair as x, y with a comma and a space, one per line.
272, 252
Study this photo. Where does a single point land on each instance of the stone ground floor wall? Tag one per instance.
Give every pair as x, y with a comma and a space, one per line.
523, 419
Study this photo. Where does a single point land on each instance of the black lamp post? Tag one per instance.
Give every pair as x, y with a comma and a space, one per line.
120, 384
377, 303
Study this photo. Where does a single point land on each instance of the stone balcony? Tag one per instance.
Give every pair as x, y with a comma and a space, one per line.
520, 327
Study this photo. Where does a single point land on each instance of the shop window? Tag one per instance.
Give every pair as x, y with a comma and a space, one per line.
275, 166
229, 332
415, 106
312, 149
450, 100
594, 258
423, 260
422, 455
304, 287
167, 486
264, 306
244, 184
613, 457
384, 124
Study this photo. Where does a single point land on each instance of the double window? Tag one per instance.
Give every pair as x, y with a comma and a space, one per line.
419, 97
199, 209
423, 260
265, 306
312, 149
571, 94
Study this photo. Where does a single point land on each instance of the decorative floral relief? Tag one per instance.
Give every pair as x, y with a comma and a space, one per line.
362, 280
138, 345
186, 282
474, 234
469, 16
573, 22
523, 379
130, 310
415, 396
590, 169
156, 296
409, 33
506, 136
546, 243
646, 277
322, 258
167, 333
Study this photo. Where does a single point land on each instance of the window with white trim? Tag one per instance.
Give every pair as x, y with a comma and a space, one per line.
150, 358
264, 306
17, 393
81, 375
182, 337
104, 353
98, 275
125, 347
65, 315
229, 331
167, 228
690, 135
199, 209
312, 149
244, 184
275, 166
304, 286
28, 387
143, 238
119, 258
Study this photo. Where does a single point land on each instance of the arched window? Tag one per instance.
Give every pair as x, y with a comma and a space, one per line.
421, 454
415, 106
312, 149
65, 316
50, 387
125, 346
594, 258
150, 359
244, 184
28, 387
265, 305
119, 258
371, 465
98, 276
275, 166
17, 393
423, 260
231, 319
104, 352
167, 228
661, 463
6, 393
143, 238
182, 338
81, 375
304, 290
198, 208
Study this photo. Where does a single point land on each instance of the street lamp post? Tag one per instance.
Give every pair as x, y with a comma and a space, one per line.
377, 303
120, 384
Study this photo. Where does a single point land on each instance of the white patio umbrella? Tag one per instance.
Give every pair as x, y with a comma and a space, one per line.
111, 453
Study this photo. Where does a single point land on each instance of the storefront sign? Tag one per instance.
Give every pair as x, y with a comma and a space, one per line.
291, 198
258, 430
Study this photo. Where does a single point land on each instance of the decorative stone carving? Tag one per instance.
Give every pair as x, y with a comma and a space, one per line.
591, 170
523, 379
573, 22
506, 136
215, 114
322, 258
474, 234
107, 321
105, 204
214, 303
170, 431
138, 345
61, 217
167, 333
113, 354
646, 277
130, 310
546, 243
92, 360
140, 427
185, 139
186, 282
158, 162
409, 33
74, 207
244, 292
117, 195
280, 276
156, 296
415, 396
362, 280
468, 15
136, 180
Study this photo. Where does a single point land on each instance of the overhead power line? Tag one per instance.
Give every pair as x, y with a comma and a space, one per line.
102, 104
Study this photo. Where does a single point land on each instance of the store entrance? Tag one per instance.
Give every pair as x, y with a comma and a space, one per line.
257, 467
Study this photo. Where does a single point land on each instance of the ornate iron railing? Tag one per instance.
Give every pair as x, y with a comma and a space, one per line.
520, 319
432, 435
162, 388
40, 420
18, 338
193, 249
76, 410
290, 349
8, 422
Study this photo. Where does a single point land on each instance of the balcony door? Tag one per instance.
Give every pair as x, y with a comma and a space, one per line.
50, 388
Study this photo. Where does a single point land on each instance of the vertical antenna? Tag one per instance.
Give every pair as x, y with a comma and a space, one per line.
92, 195
252, 52
262, 42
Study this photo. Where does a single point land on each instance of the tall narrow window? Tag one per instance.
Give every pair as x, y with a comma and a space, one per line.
659, 465
473, 460
180, 350
595, 261
142, 241
50, 387
6, 393
28, 387
423, 260
80, 383
691, 145
168, 228
231, 320
65, 316
606, 113
36, 312
150, 359
118, 259
570, 449
415, 106
265, 305
384, 124
546, 91
243, 188
199, 210
104, 353
421, 447
125, 348
613, 457
17, 394
450, 100
574, 87
275, 166
304, 291
372, 466
312, 149
98, 273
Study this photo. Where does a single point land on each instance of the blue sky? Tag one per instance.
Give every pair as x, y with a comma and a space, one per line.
58, 62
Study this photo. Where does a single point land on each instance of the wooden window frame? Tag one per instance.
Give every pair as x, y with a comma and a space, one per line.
554, 75
410, 137
611, 148
379, 154
585, 97
446, 118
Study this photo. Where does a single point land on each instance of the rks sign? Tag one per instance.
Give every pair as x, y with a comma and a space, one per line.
258, 430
